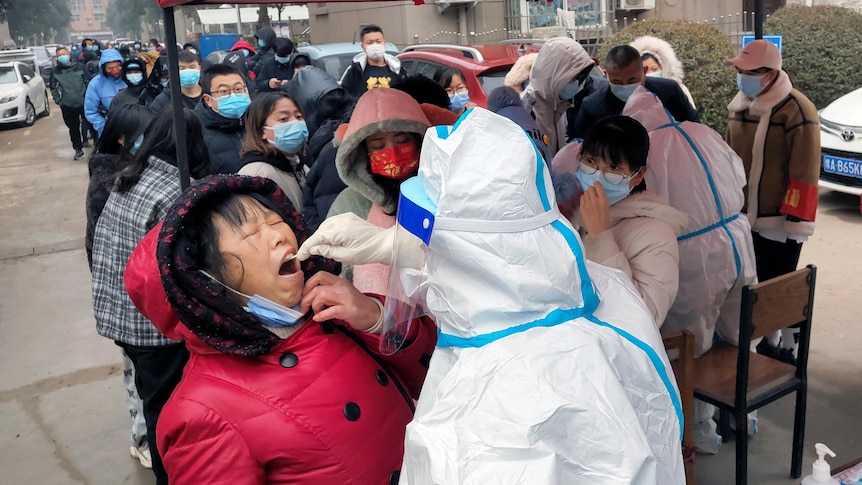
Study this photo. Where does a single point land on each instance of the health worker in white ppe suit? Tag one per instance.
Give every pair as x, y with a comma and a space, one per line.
548, 368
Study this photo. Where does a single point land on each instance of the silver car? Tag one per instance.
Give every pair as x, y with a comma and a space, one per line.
22, 94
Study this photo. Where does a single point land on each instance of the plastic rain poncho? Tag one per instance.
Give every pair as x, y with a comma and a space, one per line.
548, 369
695, 171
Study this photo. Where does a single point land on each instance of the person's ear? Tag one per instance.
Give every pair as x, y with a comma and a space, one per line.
637, 179
211, 102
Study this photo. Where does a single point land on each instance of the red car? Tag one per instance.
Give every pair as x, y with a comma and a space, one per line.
484, 65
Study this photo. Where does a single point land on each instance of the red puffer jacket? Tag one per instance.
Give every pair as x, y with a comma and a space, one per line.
322, 407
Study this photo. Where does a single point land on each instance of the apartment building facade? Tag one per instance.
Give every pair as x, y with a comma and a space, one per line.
89, 20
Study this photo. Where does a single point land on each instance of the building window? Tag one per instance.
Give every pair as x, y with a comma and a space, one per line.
99, 17
98, 6
76, 17
77, 5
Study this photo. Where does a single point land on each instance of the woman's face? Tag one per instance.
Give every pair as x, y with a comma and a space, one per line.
651, 65
456, 86
387, 139
285, 110
255, 253
608, 167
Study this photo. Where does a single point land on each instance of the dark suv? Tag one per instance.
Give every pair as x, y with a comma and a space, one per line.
484, 65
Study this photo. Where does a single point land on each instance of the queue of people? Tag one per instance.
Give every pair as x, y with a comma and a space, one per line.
369, 280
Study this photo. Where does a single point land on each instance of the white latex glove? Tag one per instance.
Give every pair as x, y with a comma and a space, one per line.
349, 239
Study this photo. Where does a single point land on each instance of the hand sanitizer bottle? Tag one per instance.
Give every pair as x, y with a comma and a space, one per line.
821, 473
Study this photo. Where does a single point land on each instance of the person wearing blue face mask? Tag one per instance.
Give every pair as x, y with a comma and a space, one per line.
68, 84
275, 138
221, 110
452, 80
275, 72
141, 75
190, 76
622, 225
265, 45
625, 72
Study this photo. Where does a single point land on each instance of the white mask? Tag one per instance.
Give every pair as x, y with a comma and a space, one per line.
375, 52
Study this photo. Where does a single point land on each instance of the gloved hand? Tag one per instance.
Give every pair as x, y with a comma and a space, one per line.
349, 239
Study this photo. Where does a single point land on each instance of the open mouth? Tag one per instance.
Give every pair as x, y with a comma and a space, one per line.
289, 267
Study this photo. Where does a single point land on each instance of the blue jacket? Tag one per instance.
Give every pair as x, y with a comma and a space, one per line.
102, 90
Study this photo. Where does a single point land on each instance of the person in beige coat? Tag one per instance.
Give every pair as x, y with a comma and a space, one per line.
622, 225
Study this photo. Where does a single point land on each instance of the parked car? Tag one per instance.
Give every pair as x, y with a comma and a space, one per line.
46, 60
841, 144
484, 65
22, 94
335, 58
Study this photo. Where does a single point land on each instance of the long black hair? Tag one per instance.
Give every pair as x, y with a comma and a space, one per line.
159, 141
128, 122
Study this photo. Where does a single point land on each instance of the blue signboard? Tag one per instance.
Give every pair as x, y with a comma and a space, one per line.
775, 39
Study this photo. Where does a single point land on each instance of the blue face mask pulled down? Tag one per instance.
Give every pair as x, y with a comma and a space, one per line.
189, 77
135, 78
571, 90
289, 136
261, 43
749, 84
267, 311
623, 91
614, 193
458, 101
233, 106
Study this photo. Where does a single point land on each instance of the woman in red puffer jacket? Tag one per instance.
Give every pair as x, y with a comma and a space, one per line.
264, 400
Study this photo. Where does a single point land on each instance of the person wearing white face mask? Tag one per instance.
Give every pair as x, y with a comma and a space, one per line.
625, 73
373, 68
774, 129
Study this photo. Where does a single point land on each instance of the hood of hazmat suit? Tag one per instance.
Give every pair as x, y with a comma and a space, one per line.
548, 369
694, 170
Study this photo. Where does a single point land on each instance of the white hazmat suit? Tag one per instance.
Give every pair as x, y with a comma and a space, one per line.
549, 369
695, 171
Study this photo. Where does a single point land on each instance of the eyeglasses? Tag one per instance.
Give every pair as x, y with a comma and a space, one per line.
453, 92
611, 178
227, 92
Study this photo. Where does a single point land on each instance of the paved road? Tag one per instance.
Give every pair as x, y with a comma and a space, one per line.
62, 416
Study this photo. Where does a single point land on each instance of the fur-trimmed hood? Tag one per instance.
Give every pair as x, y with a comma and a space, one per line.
377, 110
671, 67
519, 74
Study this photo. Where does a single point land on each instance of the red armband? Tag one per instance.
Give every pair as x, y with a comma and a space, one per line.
800, 201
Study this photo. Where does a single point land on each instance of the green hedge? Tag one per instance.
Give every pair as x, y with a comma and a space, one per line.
822, 50
702, 49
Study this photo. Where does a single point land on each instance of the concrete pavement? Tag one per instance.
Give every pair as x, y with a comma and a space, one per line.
62, 408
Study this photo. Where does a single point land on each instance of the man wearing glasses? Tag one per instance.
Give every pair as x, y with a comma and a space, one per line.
775, 130
225, 99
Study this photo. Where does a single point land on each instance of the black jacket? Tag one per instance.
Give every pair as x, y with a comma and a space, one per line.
271, 68
354, 81
322, 182
163, 100
307, 88
223, 138
263, 53
592, 84
603, 103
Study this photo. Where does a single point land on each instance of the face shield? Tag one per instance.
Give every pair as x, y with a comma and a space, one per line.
407, 277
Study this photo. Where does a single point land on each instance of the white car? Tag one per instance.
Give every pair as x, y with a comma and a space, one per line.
841, 144
22, 94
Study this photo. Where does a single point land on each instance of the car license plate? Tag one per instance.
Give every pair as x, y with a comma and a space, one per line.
842, 166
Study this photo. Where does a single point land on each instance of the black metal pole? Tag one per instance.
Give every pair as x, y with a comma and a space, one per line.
758, 19
177, 98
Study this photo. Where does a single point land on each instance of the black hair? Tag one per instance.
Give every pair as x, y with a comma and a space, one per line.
622, 56
186, 55
423, 90
618, 139
369, 29
331, 106
154, 41
159, 141
650, 56
124, 51
283, 46
301, 61
128, 121
444, 76
217, 70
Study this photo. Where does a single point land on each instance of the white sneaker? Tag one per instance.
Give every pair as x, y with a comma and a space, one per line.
142, 454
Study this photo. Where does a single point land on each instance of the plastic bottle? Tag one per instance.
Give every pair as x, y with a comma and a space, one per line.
821, 473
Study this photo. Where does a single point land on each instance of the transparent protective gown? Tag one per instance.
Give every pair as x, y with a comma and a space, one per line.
549, 369
695, 171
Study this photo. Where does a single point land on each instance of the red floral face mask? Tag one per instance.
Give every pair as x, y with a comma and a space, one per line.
397, 162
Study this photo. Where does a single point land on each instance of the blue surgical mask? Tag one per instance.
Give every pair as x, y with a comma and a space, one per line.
654, 74
137, 145
614, 193
749, 84
571, 90
189, 77
245, 52
260, 42
64, 59
282, 60
289, 136
623, 91
267, 311
165, 82
458, 101
233, 106
137, 47
135, 78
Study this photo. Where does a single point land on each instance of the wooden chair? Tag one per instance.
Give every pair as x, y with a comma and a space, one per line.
738, 381
683, 369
